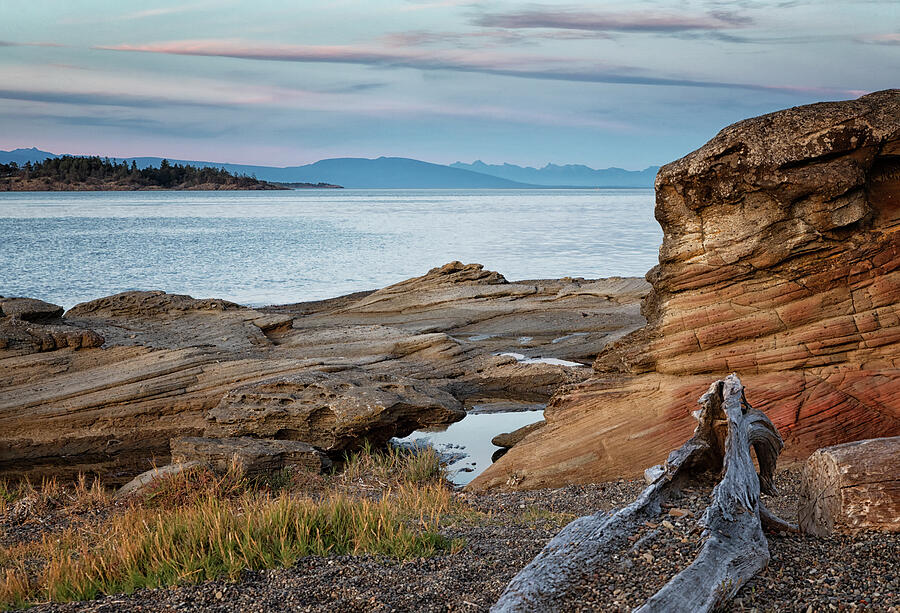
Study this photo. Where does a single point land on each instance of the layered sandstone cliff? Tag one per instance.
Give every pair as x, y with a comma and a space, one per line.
780, 262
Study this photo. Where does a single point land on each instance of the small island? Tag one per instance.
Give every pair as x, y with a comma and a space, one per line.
319, 185
70, 173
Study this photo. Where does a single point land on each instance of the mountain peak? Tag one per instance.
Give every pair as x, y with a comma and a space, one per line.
399, 172
568, 175
23, 155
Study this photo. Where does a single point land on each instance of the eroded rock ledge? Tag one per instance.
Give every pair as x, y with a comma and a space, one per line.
780, 261
104, 387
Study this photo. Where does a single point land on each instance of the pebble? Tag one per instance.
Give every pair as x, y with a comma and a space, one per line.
858, 572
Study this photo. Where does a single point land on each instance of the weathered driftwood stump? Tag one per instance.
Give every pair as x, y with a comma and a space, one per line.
735, 547
854, 486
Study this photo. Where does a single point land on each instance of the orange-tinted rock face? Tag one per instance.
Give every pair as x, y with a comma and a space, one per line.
781, 262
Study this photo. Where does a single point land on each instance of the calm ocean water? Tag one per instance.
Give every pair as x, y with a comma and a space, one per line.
261, 248
277, 247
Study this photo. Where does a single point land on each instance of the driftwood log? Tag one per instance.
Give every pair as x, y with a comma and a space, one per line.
735, 547
850, 487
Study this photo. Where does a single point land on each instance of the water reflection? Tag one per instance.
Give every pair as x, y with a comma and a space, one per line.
468, 442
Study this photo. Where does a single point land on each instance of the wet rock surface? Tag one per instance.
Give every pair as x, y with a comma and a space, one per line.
780, 261
385, 362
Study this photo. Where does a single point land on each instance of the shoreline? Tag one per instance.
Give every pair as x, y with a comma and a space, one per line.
429, 346
394, 189
765, 269
150, 188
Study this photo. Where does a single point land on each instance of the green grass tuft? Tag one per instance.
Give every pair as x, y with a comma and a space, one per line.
198, 525
393, 465
214, 538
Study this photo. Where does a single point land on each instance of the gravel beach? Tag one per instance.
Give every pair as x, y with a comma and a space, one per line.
504, 531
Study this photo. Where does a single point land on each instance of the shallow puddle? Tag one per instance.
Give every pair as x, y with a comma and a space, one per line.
467, 443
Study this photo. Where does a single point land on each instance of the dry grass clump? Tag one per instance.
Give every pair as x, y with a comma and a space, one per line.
391, 466
189, 486
198, 525
22, 499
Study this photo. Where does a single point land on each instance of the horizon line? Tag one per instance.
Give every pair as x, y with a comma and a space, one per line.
396, 157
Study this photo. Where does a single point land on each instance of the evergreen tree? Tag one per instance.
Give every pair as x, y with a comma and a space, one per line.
98, 171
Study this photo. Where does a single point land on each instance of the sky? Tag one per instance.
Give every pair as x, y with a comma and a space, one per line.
627, 84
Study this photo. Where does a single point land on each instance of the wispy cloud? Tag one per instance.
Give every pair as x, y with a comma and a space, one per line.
122, 97
728, 37
486, 38
598, 21
98, 98
892, 38
157, 12
9, 43
460, 60
459, 40
133, 122
107, 17
418, 5
55, 84
529, 67
355, 88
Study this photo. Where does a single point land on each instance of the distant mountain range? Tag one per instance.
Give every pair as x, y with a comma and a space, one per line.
404, 173
572, 175
20, 156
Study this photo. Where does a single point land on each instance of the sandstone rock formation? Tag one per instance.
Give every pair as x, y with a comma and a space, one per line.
250, 456
403, 357
510, 439
780, 261
247, 457
28, 325
29, 309
506, 440
332, 411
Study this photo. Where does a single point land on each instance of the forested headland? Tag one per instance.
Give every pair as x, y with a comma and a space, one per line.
70, 173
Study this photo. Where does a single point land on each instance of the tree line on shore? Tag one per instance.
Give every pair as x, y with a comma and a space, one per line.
69, 169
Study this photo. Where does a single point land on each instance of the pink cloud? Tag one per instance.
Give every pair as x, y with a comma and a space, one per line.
461, 60
892, 38
480, 61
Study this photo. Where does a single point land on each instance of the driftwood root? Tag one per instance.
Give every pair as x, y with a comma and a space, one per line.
735, 547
